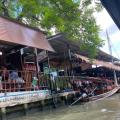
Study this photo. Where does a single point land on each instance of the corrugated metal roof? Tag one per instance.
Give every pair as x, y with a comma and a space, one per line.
14, 32
98, 62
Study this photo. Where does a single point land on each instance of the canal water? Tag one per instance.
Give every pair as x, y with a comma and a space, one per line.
107, 109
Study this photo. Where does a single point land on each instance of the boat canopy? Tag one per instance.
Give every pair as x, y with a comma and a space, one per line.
109, 65
18, 33
113, 8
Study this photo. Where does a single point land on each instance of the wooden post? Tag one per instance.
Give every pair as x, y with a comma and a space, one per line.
48, 61
37, 65
70, 58
49, 71
66, 100
36, 60
25, 108
21, 57
42, 104
3, 114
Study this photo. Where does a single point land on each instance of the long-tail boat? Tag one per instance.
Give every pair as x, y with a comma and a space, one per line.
102, 89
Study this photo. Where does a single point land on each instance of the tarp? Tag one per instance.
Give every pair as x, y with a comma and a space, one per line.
14, 32
98, 62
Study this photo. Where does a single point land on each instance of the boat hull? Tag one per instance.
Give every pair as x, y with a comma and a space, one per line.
104, 95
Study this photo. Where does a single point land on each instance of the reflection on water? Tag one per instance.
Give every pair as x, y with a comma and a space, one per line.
108, 109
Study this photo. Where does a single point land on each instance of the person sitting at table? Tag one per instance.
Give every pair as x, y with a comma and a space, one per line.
13, 75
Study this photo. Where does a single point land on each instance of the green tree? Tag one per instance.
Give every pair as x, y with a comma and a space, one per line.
72, 17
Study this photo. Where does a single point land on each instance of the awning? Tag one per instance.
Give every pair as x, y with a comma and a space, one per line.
98, 62
18, 33
113, 8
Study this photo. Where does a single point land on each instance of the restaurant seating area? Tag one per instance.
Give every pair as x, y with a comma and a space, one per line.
23, 81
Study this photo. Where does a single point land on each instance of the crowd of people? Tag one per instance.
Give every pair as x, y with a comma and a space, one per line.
85, 87
7, 75
92, 87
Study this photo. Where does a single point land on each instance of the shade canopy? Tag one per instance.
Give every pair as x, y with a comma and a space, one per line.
98, 62
113, 8
18, 33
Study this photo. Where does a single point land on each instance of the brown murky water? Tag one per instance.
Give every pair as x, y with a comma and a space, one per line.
107, 109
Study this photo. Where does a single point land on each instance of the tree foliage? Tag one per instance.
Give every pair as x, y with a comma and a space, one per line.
72, 17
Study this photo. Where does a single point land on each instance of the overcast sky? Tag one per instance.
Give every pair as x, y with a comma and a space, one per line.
106, 23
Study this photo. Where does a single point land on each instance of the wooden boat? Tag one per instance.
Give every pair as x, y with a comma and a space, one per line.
100, 94
97, 97
104, 95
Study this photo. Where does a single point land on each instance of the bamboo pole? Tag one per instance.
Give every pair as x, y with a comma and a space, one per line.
110, 50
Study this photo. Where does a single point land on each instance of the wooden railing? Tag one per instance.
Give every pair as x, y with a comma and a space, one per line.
26, 81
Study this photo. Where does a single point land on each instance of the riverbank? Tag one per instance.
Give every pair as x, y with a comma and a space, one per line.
24, 103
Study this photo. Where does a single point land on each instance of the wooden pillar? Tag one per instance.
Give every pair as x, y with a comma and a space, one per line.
37, 65
70, 60
21, 58
2, 58
49, 71
36, 60
25, 108
42, 105
3, 114
66, 100
48, 61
